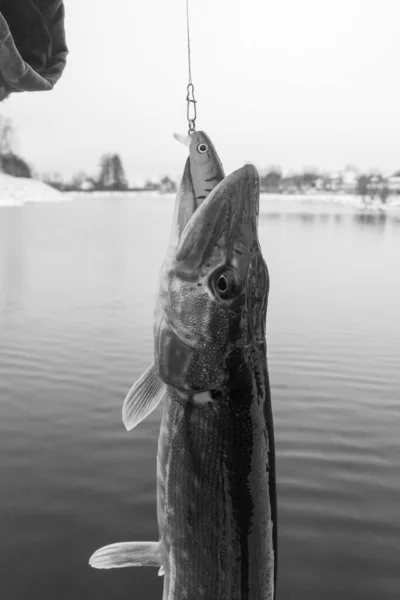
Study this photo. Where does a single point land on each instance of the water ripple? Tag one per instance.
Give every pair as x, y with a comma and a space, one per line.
77, 286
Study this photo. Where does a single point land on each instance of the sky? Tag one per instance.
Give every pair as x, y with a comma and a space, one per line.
296, 83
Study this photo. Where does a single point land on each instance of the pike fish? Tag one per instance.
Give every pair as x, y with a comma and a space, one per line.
216, 493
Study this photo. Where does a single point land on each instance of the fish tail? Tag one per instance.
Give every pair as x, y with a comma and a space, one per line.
127, 554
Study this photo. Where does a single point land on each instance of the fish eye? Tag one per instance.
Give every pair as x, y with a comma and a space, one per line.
202, 148
222, 284
225, 284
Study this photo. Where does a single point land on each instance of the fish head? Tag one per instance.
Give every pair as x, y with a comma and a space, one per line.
205, 166
202, 150
214, 286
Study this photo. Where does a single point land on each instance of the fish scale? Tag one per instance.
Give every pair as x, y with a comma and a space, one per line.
213, 465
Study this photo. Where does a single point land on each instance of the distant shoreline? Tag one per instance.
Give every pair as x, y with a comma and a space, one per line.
18, 191
328, 197
130, 192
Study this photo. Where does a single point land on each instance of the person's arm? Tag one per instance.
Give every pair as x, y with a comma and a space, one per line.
33, 50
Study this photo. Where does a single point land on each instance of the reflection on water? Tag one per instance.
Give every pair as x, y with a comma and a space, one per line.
12, 262
375, 219
338, 218
77, 283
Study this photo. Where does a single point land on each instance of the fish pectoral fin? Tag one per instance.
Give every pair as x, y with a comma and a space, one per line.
127, 554
143, 397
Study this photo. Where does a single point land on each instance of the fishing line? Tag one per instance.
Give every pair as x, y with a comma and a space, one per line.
191, 111
188, 41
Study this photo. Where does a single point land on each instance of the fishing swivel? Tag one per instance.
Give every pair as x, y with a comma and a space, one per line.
191, 111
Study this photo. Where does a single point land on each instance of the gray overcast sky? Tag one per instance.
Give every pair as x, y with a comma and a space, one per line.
290, 82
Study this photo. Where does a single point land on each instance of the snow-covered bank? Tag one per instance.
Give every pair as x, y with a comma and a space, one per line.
17, 191
120, 194
347, 200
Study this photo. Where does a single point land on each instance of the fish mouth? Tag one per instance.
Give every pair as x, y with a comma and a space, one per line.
196, 138
226, 220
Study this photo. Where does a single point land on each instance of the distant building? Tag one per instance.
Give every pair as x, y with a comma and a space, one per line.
87, 185
167, 186
55, 180
349, 180
394, 183
376, 181
334, 182
149, 186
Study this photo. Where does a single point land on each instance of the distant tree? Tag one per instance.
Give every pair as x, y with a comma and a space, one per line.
6, 135
298, 182
105, 178
10, 163
54, 179
78, 179
120, 182
149, 185
167, 185
384, 194
362, 185
14, 165
112, 174
324, 181
351, 168
271, 180
309, 178
6, 139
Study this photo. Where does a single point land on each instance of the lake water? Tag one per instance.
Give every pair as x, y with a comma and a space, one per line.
77, 285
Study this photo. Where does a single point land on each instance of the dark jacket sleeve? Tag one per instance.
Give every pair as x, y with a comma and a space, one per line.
33, 50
